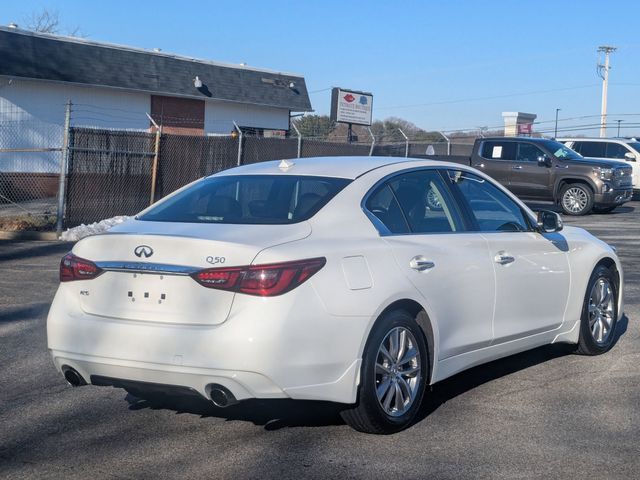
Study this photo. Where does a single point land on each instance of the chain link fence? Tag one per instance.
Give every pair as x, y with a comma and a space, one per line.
110, 172
30, 156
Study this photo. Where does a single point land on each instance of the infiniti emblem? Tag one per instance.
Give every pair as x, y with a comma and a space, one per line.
143, 251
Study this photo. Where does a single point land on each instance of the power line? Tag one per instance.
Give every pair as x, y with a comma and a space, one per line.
493, 97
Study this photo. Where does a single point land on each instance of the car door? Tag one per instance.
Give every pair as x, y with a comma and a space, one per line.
449, 266
497, 158
529, 179
531, 269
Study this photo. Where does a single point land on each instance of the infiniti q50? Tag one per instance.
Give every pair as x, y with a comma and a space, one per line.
358, 280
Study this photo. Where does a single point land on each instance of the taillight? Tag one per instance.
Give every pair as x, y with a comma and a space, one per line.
76, 268
262, 280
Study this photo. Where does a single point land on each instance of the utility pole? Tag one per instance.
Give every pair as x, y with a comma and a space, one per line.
555, 132
603, 72
618, 127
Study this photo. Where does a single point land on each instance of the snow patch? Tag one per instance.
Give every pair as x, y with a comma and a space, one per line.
76, 233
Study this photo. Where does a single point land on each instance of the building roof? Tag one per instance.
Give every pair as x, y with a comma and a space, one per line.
40, 56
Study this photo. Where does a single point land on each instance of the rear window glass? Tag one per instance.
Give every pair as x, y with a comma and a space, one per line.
249, 199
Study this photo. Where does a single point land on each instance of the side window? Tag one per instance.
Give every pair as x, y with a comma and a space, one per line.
577, 147
425, 202
593, 149
383, 204
494, 211
496, 150
615, 150
528, 152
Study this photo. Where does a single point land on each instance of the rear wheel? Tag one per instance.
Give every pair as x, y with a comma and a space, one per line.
393, 378
599, 313
576, 199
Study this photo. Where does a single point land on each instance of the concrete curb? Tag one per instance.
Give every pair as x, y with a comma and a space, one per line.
27, 235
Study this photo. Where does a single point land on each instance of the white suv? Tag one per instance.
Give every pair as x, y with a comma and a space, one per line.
627, 149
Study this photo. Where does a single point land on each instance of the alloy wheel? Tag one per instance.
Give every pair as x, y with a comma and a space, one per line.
601, 311
397, 375
575, 199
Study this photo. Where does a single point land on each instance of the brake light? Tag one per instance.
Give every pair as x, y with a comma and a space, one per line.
261, 280
76, 268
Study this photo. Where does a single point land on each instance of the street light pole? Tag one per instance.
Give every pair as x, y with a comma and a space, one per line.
555, 134
618, 127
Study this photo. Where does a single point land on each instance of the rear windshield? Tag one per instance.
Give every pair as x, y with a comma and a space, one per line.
248, 199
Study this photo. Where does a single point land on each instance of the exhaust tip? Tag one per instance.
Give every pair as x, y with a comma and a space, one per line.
73, 377
221, 397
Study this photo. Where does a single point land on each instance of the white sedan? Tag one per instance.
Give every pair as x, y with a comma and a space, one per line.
354, 280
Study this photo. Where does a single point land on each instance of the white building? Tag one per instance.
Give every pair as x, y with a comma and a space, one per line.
118, 87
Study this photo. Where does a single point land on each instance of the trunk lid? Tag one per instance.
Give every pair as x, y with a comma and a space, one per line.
147, 266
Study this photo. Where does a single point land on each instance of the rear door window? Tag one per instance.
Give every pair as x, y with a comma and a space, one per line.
593, 149
499, 150
248, 199
416, 202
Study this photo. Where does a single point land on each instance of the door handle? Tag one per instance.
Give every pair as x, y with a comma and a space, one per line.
481, 165
504, 258
516, 167
420, 263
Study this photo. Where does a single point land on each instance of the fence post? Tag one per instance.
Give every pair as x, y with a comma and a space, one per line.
406, 143
63, 169
448, 142
154, 165
373, 141
235, 125
299, 139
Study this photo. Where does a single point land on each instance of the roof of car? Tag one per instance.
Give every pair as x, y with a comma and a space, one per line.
340, 167
597, 139
515, 139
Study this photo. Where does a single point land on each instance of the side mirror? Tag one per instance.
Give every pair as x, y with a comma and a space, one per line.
544, 161
629, 157
549, 222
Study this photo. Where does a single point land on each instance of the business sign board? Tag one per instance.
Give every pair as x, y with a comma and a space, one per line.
525, 128
350, 106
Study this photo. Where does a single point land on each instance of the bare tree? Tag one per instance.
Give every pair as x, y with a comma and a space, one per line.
48, 21
44, 21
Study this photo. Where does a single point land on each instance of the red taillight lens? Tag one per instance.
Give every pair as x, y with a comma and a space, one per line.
262, 280
76, 268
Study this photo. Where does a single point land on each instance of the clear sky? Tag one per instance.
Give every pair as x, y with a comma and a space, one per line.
443, 65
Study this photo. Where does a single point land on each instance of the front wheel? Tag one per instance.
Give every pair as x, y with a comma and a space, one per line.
599, 313
393, 377
576, 199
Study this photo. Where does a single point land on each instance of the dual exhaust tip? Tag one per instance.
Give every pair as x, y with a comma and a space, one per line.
72, 376
219, 395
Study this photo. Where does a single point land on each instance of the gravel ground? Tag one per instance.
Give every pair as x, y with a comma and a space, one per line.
545, 413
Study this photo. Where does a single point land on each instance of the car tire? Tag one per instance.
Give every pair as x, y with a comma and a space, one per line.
576, 199
605, 209
599, 312
391, 387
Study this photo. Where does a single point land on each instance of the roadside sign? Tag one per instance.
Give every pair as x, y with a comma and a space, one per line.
351, 106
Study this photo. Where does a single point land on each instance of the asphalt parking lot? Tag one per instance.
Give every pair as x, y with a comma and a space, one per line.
542, 414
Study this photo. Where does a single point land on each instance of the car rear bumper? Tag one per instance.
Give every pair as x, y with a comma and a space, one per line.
282, 347
614, 197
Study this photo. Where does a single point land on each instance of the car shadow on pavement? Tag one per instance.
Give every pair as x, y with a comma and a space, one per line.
450, 388
536, 207
280, 413
10, 250
271, 414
